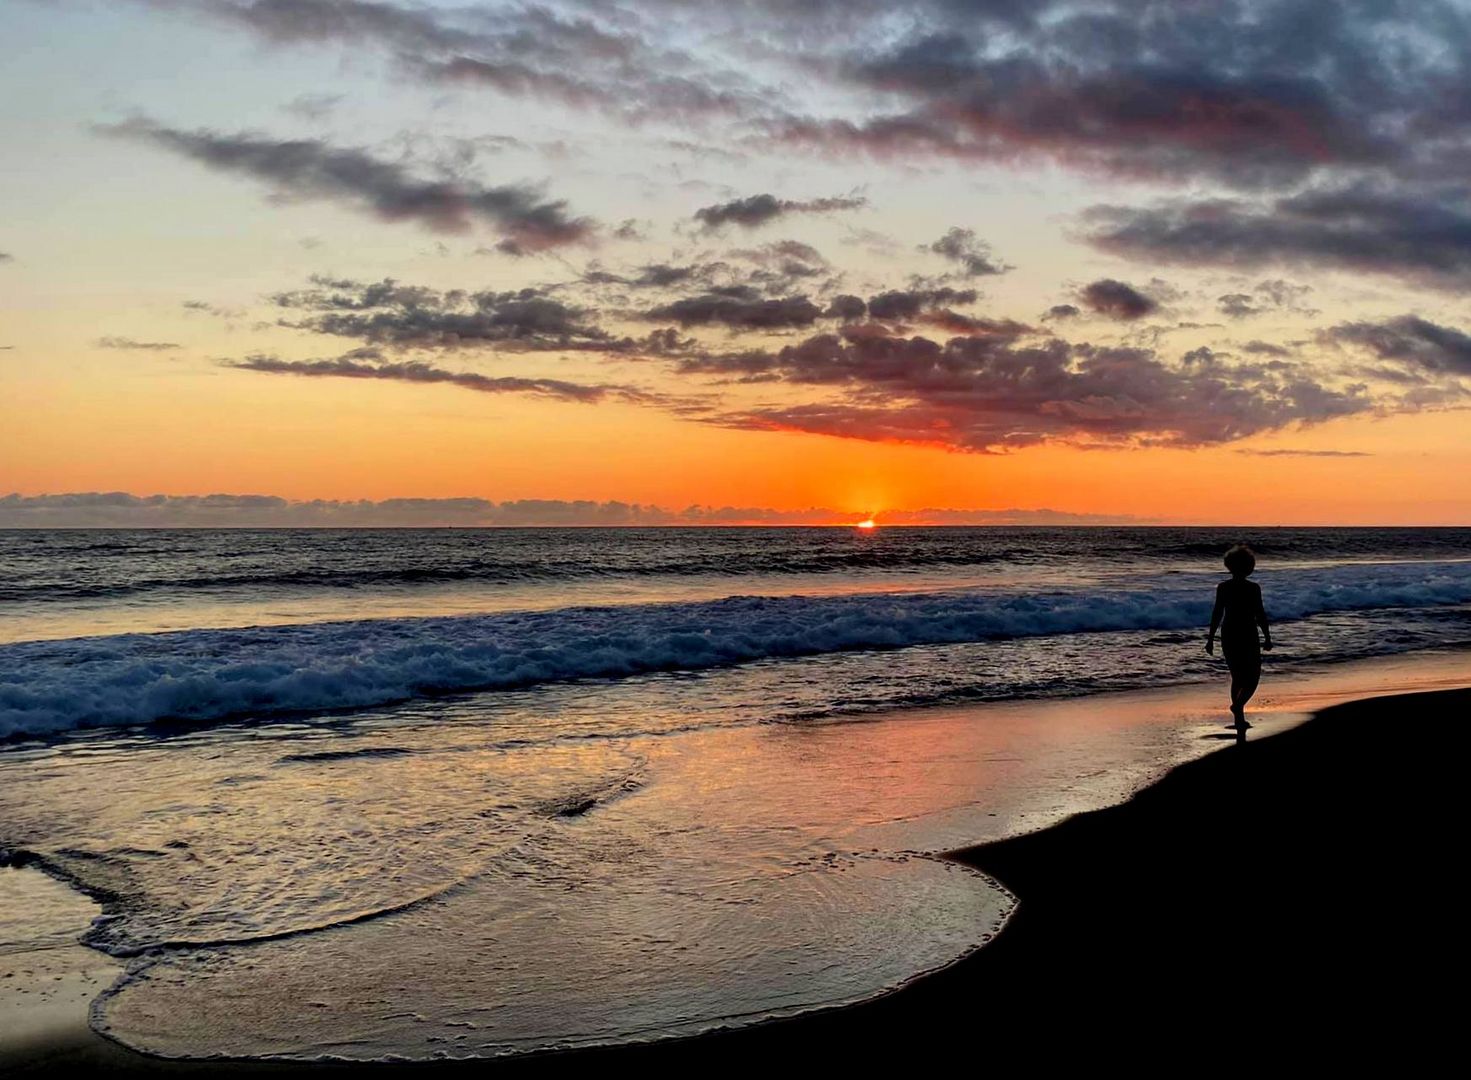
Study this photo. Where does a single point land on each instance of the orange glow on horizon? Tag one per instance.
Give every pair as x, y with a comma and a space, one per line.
867, 523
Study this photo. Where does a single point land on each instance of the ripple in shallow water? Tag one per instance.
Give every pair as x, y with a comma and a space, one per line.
643, 950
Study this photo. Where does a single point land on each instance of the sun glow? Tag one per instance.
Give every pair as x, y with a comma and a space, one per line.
867, 523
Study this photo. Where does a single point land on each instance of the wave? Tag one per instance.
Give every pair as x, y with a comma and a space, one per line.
110, 933
92, 567
495, 573
205, 676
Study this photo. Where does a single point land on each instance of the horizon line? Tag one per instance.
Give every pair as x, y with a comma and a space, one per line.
879, 526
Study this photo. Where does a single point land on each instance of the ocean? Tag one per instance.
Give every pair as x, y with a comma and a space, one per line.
375, 794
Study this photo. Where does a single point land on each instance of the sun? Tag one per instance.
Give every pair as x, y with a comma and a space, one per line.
867, 523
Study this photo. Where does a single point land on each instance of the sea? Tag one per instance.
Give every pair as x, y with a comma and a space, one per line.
416, 794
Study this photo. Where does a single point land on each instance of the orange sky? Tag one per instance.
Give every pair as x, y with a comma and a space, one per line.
128, 307
375, 442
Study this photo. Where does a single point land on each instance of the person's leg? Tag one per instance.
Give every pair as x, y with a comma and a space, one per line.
1248, 683
1245, 678
1237, 687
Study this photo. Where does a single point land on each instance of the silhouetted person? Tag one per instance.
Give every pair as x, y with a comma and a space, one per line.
1238, 613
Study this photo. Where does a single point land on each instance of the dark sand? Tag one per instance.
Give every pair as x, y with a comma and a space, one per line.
1284, 902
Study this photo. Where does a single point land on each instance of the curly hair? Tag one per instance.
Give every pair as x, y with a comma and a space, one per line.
1241, 560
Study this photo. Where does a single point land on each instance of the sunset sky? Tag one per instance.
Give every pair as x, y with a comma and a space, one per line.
771, 260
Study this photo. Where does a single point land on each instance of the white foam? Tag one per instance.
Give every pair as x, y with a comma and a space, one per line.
208, 675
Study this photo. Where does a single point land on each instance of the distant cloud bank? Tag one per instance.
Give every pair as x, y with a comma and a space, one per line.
120, 510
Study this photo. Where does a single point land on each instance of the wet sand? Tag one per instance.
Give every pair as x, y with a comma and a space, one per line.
1284, 901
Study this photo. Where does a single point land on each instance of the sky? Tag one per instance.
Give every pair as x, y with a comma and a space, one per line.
755, 261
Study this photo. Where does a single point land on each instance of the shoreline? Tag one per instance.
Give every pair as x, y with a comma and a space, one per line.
1150, 918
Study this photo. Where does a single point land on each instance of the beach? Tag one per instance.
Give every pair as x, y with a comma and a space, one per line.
1267, 899
307, 799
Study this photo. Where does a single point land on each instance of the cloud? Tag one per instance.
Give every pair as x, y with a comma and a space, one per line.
366, 364
994, 390
204, 307
664, 275
1251, 94
757, 210
1060, 312
122, 510
1419, 237
1266, 298
313, 169
1307, 453
1265, 348
973, 326
347, 21
391, 313
633, 97
972, 253
896, 304
777, 269
6, 257
739, 311
846, 307
584, 59
130, 344
1117, 300
1410, 341
656, 275
794, 256
1237, 305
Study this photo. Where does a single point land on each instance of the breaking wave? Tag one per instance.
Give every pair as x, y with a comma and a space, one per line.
202, 676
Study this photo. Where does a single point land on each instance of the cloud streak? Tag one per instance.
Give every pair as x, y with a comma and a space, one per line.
1307, 453
1422, 238
739, 310
365, 364
758, 210
313, 169
128, 344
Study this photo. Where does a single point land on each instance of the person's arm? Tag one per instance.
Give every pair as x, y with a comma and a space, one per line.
1261, 620
1216, 613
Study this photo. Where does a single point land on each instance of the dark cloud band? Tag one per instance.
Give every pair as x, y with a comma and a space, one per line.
1420, 237
758, 210
363, 365
311, 168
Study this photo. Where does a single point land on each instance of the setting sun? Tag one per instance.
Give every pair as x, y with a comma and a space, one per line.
867, 523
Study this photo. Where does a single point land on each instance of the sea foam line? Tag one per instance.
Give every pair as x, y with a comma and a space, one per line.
208, 675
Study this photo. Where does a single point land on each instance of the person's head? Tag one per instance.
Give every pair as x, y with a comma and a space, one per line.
1240, 560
